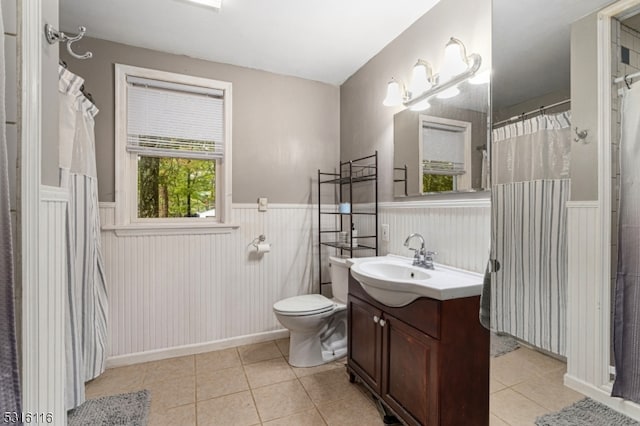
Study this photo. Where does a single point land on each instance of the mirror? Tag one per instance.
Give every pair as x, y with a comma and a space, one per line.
443, 149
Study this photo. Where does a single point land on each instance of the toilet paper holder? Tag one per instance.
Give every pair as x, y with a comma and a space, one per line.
260, 245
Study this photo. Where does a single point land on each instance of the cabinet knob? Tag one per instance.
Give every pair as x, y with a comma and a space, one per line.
376, 319
382, 323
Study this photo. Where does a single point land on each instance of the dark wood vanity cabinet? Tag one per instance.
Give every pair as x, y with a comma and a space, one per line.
428, 361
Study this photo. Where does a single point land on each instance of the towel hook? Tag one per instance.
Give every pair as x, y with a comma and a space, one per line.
54, 36
581, 135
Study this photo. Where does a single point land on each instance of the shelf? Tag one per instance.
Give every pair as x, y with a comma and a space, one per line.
350, 214
349, 173
347, 180
348, 248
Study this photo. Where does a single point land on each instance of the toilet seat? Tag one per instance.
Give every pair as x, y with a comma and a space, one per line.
308, 304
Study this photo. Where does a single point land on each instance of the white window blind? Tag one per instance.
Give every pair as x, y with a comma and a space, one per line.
174, 120
443, 149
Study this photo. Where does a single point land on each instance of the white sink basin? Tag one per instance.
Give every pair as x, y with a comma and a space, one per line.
394, 281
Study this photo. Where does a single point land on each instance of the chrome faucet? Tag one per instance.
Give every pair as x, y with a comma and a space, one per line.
422, 258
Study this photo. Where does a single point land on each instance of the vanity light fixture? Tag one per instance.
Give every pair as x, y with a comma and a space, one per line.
457, 67
394, 94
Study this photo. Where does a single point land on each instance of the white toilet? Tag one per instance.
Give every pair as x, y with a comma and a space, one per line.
317, 325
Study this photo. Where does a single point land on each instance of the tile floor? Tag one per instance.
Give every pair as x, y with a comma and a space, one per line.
254, 385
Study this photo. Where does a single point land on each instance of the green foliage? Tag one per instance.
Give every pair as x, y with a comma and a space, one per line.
175, 187
436, 183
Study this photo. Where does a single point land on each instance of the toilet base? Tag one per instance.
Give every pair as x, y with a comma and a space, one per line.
306, 350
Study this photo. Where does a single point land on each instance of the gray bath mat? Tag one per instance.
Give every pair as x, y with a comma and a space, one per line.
586, 412
127, 409
502, 344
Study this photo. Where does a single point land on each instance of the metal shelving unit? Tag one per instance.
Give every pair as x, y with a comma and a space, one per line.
352, 173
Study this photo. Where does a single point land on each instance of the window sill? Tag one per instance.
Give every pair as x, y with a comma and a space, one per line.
167, 228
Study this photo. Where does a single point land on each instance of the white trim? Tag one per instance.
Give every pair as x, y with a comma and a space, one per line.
254, 206
29, 209
166, 228
53, 193
602, 333
582, 204
126, 178
137, 358
448, 203
602, 394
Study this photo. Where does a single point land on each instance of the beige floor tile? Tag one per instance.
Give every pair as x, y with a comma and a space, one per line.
172, 393
540, 362
116, 380
184, 416
496, 421
306, 418
549, 391
281, 400
329, 386
495, 385
221, 382
341, 361
353, 411
217, 360
514, 408
268, 372
259, 352
283, 345
237, 409
509, 370
307, 371
168, 369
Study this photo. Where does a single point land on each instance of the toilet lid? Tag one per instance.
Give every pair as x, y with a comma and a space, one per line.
307, 304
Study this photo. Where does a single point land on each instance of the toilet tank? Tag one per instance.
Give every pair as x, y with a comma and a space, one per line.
339, 278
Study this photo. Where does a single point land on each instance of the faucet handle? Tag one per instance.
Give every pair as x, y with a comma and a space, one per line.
431, 253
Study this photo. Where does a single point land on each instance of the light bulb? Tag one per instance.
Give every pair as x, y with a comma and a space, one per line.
420, 106
449, 93
394, 94
454, 60
419, 80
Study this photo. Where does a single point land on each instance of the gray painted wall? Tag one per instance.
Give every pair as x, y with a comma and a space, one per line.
584, 106
533, 104
365, 124
49, 149
284, 128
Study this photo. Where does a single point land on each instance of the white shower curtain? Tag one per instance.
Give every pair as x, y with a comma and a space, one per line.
9, 380
86, 323
530, 178
626, 327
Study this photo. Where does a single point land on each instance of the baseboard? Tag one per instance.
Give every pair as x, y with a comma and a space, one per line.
603, 396
159, 354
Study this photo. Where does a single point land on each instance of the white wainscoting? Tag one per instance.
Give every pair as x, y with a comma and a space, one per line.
43, 323
458, 230
180, 294
587, 357
171, 291
583, 301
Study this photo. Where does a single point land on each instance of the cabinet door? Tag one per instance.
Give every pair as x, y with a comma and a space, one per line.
365, 341
410, 376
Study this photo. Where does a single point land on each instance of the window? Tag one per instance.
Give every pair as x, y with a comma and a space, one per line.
445, 154
173, 148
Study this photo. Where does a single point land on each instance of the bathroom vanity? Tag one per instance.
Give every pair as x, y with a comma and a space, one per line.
427, 361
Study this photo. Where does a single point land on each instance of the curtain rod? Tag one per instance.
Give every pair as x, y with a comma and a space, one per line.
626, 78
535, 111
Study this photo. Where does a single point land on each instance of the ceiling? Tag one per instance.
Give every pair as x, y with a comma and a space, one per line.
329, 40
531, 46
326, 40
